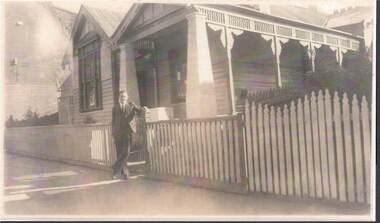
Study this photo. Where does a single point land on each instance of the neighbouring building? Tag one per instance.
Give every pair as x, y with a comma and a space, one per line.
36, 37
357, 21
192, 61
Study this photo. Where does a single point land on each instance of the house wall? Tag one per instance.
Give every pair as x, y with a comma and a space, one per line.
294, 63
103, 115
253, 63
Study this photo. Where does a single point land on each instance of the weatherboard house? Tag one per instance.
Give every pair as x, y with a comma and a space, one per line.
190, 60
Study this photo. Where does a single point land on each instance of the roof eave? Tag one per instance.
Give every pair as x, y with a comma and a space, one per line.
84, 12
124, 23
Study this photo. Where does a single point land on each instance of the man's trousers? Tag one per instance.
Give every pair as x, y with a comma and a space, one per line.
123, 148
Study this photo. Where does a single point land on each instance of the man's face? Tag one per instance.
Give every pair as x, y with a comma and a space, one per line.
123, 98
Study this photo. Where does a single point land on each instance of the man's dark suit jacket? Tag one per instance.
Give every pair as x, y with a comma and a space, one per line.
121, 120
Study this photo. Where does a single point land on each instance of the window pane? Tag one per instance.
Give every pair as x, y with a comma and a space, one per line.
98, 92
91, 94
89, 71
181, 84
97, 58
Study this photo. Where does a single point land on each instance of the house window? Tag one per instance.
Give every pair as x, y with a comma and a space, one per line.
89, 76
177, 60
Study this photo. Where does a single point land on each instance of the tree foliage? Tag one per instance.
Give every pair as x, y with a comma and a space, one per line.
355, 75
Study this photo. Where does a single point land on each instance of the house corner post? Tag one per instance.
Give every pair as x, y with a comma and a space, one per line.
128, 77
200, 92
277, 52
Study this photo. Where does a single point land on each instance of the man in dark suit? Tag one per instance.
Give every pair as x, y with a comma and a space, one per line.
123, 114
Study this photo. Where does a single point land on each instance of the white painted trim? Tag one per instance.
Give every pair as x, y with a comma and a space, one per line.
269, 38
222, 33
278, 24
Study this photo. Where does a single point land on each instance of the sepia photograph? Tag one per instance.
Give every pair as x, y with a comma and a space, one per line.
188, 110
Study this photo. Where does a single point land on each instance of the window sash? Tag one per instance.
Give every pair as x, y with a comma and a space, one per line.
89, 76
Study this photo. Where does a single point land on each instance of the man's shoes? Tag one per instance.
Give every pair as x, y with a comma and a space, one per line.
124, 177
119, 177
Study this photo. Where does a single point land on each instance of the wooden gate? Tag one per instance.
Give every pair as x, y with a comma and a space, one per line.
138, 158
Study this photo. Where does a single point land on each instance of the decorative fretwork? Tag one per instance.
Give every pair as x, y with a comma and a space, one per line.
238, 22
317, 37
144, 44
264, 27
302, 34
285, 31
213, 15
247, 23
332, 40
90, 96
345, 43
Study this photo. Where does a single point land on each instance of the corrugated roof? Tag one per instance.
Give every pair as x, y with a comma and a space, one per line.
306, 15
349, 16
107, 20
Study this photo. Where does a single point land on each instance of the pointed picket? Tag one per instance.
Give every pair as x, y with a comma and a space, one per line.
366, 128
268, 152
263, 176
309, 148
348, 148
339, 148
255, 148
359, 168
281, 152
274, 148
315, 134
302, 148
295, 152
322, 143
330, 146
288, 153
249, 140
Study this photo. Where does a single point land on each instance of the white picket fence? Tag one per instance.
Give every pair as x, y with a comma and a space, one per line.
317, 147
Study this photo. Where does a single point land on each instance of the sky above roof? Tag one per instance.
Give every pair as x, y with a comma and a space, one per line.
112, 5
325, 6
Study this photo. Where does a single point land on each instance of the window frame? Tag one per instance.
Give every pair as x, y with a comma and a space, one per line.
91, 75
